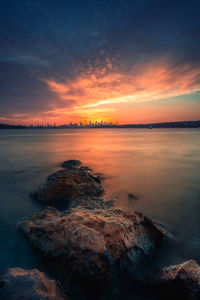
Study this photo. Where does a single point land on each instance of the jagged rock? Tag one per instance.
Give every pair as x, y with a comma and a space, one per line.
66, 185
94, 241
183, 278
72, 163
20, 284
93, 202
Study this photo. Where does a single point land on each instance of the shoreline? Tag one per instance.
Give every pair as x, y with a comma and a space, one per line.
179, 124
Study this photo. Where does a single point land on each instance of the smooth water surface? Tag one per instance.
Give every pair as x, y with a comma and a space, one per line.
160, 166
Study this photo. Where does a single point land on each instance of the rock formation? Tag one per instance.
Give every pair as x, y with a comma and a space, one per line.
183, 278
94, 241
69, 184
20, 284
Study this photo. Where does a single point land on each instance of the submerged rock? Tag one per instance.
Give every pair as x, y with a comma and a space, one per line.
94, 241
184, 279
20, 284
66, 185
132, 197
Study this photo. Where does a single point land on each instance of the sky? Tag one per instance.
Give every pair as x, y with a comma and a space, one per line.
126, 61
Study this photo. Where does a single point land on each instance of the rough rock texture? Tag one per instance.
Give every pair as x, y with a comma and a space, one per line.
20, 284
185, 278
64, 186
72, 163
94, 241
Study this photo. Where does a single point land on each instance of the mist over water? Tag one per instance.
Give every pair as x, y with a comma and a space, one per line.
160, 166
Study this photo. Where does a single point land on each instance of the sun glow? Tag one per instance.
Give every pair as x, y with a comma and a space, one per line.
99, 94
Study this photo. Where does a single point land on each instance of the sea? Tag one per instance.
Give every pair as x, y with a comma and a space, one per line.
161, 167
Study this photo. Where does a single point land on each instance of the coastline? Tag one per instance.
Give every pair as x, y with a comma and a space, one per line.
179, 124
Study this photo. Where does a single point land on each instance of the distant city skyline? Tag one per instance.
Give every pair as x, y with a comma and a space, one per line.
77, 124
182, 124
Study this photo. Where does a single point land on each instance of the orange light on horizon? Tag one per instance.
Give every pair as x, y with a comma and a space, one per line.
130, 96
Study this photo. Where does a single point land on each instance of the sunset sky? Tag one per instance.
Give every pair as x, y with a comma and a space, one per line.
131, 61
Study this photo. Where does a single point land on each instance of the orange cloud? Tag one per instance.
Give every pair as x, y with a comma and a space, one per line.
96, 89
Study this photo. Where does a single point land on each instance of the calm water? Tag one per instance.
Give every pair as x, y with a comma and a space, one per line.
160, 166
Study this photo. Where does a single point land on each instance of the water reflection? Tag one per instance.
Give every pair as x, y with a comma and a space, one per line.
161, 167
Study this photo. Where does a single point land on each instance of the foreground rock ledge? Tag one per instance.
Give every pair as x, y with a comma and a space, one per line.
73, 182
19, 284
184, 278
94, 241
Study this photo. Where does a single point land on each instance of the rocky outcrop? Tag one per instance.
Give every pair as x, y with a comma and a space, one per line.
72, 163
20, 284
183, 278
71, 183
94, 241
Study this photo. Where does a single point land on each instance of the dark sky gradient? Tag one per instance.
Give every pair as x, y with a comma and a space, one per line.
48, 42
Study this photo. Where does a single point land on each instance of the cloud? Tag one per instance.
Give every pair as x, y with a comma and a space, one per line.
25, 59
143, 82
67, 61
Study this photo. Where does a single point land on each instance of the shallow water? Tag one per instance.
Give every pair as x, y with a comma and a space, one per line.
160, 166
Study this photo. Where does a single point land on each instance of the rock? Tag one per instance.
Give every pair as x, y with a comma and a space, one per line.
93, 202
20, 284
132, 197
94, 242
66, 185
85, 168
184, 278
72, 163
